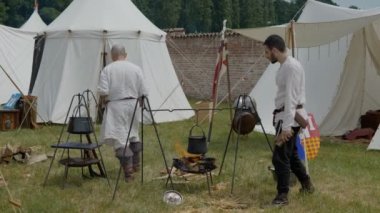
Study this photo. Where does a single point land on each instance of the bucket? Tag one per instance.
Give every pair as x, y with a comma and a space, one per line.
197, 143
79, 124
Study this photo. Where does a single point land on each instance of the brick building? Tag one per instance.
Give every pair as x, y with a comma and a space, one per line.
194, 58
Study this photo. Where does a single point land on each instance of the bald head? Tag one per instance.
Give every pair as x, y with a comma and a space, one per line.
118, 52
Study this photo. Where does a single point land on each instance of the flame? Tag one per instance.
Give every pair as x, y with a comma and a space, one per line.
183, 153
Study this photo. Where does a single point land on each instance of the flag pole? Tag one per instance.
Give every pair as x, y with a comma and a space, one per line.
215, 83
228, 72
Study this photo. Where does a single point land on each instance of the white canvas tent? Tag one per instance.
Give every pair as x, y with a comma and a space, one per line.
375, 143
34, 23
73, 57
339, 51
16, 57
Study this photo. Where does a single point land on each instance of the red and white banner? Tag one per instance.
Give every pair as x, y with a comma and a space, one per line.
311, 138
220, 68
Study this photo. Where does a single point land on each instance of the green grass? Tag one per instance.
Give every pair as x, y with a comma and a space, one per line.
346, 177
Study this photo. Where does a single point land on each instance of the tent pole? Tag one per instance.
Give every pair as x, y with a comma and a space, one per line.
22, 94
10, 78
292, 37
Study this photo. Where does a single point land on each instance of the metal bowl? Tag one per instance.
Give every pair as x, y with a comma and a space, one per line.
172, 197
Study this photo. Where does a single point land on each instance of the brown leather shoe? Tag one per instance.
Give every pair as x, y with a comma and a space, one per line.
128, 171
136, 168
280, 200
307, 187
129, 179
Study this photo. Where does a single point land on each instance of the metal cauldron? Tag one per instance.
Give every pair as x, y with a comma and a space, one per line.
245, 118
244, 122
197, 143
79, 124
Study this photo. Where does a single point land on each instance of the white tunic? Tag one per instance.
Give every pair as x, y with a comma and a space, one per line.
290, 80
120, 80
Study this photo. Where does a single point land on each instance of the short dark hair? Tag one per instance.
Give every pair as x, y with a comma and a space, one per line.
275, 41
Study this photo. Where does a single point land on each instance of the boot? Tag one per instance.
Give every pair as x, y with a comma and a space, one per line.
307, 187
136, 162
136, 149
126, 164
128, 171
281, 199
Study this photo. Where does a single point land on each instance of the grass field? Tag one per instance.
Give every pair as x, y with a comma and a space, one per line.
346, 177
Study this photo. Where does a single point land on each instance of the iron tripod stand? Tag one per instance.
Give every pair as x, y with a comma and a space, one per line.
145, 106
79, 124
245, 107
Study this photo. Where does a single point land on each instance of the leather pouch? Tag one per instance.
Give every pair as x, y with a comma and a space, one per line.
301, 121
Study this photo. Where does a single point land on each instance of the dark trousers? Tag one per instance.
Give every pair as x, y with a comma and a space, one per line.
285, 159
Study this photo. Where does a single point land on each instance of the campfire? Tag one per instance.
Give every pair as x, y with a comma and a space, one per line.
192, 163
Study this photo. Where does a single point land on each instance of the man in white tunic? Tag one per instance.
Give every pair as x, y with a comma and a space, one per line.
120, 86
289, 101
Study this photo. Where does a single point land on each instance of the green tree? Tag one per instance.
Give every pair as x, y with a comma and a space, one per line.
282, 11
252, 13
3, 12
17, 11
235, 22
144, 7
259, 13
246, 13
49, 10
196, 15
166, 13
48, 14
269, 12
222, 10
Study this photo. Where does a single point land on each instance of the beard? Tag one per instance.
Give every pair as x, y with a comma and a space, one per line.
273, 59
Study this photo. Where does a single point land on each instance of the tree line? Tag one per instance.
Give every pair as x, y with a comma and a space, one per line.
193, 15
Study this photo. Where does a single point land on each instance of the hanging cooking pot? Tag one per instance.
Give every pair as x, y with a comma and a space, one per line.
197, 143
244, 121
79, 124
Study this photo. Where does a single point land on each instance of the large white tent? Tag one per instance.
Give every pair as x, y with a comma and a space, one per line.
16, 58
339, 50
73, 57
34, 23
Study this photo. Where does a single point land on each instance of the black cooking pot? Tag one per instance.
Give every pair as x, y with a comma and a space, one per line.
244, 121
197, 143
79, 124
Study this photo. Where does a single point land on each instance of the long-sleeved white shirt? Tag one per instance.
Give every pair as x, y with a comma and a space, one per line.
290, 81
121, 79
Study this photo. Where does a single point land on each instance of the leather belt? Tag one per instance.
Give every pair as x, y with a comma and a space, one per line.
299, 106
127, 98
121, 99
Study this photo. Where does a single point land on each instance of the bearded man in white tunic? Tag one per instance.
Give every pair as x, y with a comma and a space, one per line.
289, 102
120, 85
